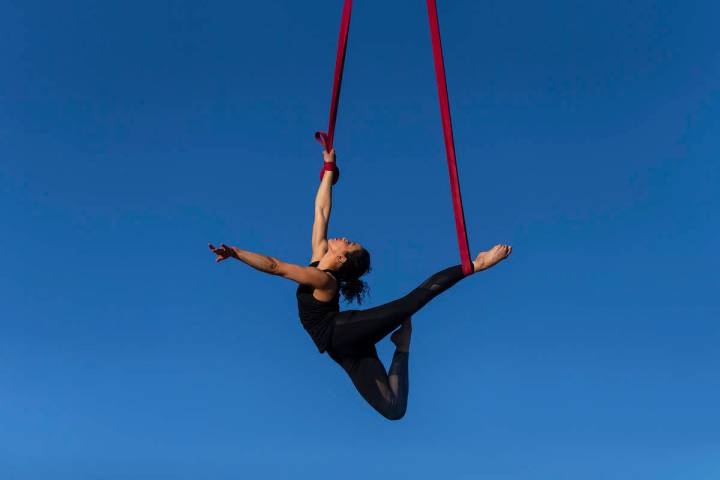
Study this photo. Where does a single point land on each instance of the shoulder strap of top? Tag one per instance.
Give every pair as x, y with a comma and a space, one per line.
327, 270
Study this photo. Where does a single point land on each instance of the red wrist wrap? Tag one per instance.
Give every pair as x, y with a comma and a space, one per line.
328, 166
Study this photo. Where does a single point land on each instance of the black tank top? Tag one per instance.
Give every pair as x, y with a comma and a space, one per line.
315, 315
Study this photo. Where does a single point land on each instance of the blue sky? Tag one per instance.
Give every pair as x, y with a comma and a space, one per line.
133, 133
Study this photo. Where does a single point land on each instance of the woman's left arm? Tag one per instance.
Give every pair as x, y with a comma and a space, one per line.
323, 207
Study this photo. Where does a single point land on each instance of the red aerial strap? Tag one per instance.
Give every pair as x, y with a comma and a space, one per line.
327, 138
449, 143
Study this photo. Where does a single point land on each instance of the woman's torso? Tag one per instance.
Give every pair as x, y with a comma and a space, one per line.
316, 308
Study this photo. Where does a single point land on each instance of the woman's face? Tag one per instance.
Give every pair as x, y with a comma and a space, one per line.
342, 246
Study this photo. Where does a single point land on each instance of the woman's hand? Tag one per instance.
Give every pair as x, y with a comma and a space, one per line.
223, 253
329, 156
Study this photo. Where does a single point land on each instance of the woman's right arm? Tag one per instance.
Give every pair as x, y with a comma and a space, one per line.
258, 261
265, 263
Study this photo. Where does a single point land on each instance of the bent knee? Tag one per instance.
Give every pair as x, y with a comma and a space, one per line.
394, 411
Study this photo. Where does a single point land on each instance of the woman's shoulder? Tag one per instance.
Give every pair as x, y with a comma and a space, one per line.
325, 295
326, 270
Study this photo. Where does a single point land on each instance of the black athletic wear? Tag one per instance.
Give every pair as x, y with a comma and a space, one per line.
350, 337
316, 315
367, 327
387, 392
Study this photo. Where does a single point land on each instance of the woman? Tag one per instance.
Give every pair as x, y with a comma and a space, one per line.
349, 337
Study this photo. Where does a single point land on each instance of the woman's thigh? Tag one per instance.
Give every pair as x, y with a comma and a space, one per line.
363, 327
373, 324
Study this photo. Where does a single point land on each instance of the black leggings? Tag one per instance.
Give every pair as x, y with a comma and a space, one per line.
356, 332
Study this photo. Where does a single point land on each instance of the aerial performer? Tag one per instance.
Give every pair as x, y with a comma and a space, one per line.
349, 336
338, 264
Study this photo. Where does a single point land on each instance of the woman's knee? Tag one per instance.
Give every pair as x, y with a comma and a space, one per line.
394, 410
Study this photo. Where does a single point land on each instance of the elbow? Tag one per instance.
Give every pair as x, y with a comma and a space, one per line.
274, 266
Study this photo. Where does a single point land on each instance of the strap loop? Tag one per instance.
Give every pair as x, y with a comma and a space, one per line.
324, 140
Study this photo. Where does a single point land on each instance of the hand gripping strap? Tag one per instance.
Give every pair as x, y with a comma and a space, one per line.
449, 143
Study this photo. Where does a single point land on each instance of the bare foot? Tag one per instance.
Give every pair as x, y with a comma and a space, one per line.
401, 337
495, 255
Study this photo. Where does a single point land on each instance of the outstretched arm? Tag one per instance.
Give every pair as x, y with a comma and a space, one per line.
323, 207
258, 261
302, 275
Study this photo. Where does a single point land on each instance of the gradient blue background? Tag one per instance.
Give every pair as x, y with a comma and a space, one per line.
133, 133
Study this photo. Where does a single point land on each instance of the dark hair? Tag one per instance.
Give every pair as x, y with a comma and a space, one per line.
348, 275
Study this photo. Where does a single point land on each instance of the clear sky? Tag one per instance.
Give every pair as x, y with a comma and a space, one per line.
134, 133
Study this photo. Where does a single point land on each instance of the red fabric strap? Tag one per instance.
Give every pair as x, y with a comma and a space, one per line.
326, 139
449, 143
330, 166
